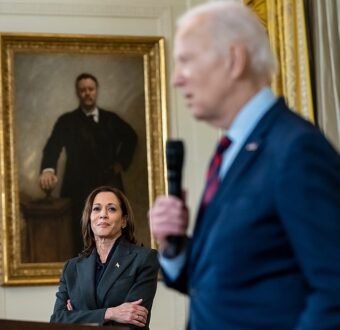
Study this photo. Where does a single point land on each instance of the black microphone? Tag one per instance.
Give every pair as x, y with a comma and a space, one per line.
174, 161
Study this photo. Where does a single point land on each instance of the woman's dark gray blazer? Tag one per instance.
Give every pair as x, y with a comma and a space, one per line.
130, 275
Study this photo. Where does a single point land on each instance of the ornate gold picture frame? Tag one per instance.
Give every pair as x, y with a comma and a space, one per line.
286, 25
38, 73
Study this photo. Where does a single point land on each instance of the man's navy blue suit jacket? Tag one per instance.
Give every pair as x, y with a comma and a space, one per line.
265, 253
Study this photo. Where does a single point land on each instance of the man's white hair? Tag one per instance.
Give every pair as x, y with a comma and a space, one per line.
230, 21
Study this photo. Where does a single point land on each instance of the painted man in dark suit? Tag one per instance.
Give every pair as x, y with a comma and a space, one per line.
265, 251
99, 145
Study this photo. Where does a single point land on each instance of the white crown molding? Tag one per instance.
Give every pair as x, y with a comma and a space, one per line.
163, 11
94, 9
104, 8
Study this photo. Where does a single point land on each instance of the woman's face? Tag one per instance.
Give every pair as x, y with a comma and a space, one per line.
106, 216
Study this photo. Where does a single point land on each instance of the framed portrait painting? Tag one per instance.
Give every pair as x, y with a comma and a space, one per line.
38, 87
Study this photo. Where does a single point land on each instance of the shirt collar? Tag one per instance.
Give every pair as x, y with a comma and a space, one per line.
113, 248
250, 114
94, 113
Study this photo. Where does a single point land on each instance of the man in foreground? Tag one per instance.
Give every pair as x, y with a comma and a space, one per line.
265, 252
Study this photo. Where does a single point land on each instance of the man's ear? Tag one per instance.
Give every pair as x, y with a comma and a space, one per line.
238, 57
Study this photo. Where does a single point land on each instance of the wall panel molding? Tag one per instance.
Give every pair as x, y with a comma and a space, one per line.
92, 9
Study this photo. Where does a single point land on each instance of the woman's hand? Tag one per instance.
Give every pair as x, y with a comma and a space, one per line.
69, 305
131, 313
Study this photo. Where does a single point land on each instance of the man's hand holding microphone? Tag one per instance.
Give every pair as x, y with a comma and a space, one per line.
169, 216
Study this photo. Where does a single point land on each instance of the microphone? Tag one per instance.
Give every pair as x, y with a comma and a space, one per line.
174, 161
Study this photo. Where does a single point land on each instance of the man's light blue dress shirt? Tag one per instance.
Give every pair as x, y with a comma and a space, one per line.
240, 129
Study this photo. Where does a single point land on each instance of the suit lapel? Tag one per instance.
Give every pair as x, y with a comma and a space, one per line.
85, 273
207, 216
245, 158
120, 260
252, 147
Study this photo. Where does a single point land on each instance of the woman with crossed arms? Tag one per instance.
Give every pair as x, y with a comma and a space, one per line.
113, 281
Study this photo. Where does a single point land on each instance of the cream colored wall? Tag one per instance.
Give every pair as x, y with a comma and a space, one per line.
112, 17
36, 303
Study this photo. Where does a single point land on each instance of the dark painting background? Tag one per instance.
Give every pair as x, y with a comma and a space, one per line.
44, 89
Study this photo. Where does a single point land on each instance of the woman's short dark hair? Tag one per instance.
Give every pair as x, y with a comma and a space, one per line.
127, 231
